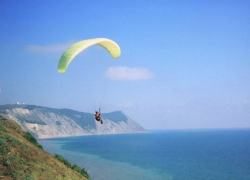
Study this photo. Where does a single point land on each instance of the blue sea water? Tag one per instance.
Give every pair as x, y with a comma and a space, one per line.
160, 155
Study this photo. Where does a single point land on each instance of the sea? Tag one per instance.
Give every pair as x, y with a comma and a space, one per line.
221, 154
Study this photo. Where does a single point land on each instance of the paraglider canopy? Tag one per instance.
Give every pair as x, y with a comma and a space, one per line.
76, 48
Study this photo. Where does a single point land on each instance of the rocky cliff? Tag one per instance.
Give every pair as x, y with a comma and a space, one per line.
46, 122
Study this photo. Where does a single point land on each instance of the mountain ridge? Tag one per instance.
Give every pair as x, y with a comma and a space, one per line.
45, 122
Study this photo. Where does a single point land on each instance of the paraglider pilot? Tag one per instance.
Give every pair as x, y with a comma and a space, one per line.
98, 116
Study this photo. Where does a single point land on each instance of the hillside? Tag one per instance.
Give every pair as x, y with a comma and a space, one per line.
46, 122
21, 157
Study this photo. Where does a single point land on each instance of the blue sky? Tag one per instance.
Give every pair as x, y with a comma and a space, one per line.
184, 64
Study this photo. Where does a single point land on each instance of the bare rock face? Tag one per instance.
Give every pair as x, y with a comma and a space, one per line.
46, 122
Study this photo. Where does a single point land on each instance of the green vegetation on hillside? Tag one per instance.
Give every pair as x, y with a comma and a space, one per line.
74, 167
30, 138
22, 157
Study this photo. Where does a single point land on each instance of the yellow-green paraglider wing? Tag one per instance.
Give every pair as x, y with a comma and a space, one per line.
76, 48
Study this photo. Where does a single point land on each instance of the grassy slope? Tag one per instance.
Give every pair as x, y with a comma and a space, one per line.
20, 159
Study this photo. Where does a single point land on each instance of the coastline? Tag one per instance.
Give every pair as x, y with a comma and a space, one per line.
102, 169
159, 154
47, 138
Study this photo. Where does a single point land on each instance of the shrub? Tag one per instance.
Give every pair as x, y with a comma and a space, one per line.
81, 171
29, 178
5, 147
85, 173
22, 161
2, 129
63, 160
74, 167
6, 162
18, 175
30, 138
13, 141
